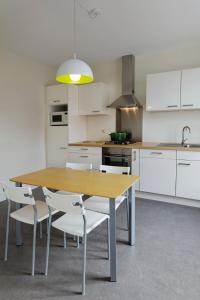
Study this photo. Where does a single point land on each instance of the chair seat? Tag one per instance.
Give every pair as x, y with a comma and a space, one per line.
26, 213
73, 224
101, 204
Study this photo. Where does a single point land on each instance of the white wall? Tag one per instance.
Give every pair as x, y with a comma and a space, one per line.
159, 126
22, 128
110, 73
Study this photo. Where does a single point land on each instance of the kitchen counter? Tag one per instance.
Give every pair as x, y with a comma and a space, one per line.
139, 145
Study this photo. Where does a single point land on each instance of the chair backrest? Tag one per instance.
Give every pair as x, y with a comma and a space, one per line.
77, 166
2, 192
22, 195
115, 169
65, 203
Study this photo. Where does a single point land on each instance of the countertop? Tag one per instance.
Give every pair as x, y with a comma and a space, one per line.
139, 145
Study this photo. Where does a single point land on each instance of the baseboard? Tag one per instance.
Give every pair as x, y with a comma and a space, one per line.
168, 199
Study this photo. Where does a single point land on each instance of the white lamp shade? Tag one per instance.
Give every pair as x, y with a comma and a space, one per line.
74, 66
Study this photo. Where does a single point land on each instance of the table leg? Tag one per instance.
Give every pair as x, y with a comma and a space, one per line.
19, 236
131, 195
113, 260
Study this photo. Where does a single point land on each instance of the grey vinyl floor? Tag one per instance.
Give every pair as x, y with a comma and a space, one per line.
164, 264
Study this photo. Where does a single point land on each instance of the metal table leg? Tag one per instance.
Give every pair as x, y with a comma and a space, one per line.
19, 236
131, 196
113, 260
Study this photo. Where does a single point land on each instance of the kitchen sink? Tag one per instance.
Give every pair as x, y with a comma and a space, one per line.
179, 145
192, 146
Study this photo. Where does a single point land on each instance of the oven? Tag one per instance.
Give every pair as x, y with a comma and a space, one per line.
117, 157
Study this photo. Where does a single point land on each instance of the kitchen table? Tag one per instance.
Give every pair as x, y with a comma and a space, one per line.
90, 183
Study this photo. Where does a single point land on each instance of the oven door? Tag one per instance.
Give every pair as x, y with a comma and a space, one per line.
120, 160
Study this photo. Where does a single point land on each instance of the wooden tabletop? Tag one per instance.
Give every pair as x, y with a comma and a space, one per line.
83, 182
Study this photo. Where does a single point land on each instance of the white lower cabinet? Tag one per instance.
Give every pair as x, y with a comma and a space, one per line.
135, 166
158, 172
92, 155
188, 175
56, 144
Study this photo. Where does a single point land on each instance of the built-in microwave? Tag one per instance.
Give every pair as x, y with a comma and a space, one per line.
59, 118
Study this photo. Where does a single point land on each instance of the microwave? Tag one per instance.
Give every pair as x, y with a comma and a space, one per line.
59, 118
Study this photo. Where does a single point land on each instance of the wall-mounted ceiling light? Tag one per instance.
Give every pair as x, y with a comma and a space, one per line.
74, 71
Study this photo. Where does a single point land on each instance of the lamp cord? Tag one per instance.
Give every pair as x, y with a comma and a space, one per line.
74, 31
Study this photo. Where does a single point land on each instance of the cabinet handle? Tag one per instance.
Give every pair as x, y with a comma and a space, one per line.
187, 105
156, 153
85, 149
63, 148
96, 111
84, 156
134, 156
184, 164
171, 106
56, 101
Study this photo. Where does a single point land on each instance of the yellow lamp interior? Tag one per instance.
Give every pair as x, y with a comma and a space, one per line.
67, 78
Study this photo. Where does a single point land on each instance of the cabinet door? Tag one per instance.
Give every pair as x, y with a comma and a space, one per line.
56, 94
163, 91
188, 174
135, 166
190, 89
95, 160
56, 148
93, 99
158, 175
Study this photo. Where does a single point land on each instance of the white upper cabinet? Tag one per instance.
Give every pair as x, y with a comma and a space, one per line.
163, 91
190, 89
93, 99
56, 94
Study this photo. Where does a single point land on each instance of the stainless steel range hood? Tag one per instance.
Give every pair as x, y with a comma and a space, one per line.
127, 99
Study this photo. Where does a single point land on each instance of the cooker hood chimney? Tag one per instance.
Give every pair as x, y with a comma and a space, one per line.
127, 99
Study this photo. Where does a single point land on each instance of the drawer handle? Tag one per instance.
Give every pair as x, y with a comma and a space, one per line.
156, 153
188, 105
84, 156
184, 164
56, 101
85, 149
96, 111
63, 148
171, 106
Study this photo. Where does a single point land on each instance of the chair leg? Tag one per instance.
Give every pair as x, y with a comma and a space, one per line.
108, 237
7, 232
34, 247
40, 230
48, 246
65, 240
84, 262
127, 212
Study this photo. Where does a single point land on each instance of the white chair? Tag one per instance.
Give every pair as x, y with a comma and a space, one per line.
74, 166
32, 213
101, 204
76, 221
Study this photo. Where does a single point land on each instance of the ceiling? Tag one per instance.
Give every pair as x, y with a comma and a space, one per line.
42, 29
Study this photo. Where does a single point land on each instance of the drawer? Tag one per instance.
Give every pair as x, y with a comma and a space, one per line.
85, 150
158, 154
188, 155
95, 160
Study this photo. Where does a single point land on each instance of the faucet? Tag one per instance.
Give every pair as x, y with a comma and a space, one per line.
185, 128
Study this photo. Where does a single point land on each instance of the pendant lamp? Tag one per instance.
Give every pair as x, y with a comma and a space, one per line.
74, 71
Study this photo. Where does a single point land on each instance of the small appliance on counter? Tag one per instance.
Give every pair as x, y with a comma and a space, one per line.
59, 118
